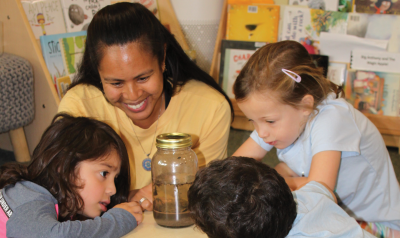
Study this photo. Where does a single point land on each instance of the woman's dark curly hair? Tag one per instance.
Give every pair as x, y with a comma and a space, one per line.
241, 197
65, 143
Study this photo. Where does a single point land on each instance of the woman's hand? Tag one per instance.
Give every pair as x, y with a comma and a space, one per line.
134, 208
143, 196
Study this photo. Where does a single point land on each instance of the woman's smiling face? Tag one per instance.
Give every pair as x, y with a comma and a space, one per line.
132, 81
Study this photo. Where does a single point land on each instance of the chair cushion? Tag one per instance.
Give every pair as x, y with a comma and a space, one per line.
16, 92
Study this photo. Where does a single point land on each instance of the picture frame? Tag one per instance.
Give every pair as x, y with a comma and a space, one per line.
234, 55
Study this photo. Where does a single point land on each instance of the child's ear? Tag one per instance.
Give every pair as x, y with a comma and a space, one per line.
308, 104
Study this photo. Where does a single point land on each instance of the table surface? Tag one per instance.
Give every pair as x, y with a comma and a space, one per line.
149, 228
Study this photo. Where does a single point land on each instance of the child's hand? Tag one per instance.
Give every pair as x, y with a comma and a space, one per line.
134, 208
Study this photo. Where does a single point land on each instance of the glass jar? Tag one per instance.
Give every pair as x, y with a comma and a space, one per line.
173, 169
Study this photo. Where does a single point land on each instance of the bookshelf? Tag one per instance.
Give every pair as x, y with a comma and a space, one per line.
388, 126
18, 39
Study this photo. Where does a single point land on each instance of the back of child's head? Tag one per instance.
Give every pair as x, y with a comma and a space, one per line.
241, 197
65, 143
263, 74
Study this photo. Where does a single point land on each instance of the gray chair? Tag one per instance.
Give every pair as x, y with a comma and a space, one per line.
16, 101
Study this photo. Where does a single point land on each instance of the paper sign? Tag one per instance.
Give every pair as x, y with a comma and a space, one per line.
375, 61
338, 47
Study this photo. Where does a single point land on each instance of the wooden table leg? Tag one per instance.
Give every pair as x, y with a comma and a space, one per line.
20, 145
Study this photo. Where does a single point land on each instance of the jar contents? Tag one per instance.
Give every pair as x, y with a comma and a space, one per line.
173, 169
170, 204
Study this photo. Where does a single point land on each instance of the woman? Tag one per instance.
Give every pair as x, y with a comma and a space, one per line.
135, 77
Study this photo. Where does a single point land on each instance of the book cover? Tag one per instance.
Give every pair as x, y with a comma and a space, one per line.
326, 5
62, 85
253, 22
372, 26
376, 26
234, 55
44, 16
305, 25
373, 92
72, 49
79, 13
377, 6
51, 51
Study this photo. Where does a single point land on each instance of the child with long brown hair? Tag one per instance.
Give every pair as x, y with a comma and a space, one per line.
77, 185
318, 136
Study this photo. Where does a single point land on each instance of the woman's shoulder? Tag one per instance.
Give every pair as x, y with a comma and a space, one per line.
83, 91
199, 90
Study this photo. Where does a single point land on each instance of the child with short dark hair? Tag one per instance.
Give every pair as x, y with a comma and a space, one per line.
242, 197
79, 170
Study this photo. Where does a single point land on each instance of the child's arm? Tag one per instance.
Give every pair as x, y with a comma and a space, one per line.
251, 149
324, 169
284, 170
39, 219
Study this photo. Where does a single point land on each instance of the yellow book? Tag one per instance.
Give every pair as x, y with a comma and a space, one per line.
62, 85
257, 22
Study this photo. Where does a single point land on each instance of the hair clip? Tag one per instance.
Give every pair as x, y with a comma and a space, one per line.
290, 74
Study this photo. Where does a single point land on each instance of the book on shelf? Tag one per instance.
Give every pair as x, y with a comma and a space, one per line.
79, 13
72, 49
326, 5
234, 55
256, 22
373, 92
377, 7
62, 85
305, 25
44, 16
376, 26
52, 55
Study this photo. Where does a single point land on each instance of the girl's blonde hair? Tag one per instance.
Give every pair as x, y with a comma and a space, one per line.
263, 73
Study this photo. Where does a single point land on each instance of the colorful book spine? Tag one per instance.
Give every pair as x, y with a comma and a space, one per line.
253, 22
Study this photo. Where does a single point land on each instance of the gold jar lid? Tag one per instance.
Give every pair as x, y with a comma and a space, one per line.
173, 140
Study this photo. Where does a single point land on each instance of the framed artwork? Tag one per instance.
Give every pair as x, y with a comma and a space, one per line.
234, 55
